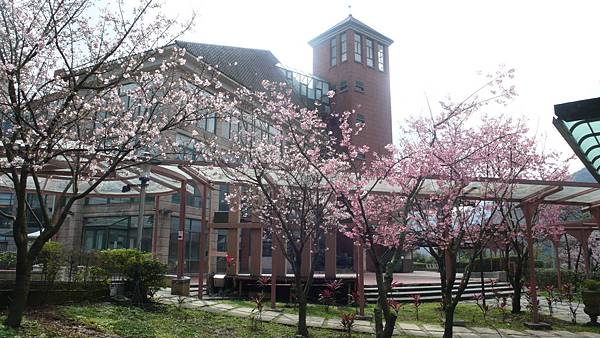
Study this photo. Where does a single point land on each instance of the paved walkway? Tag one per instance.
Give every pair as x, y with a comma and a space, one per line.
424, 330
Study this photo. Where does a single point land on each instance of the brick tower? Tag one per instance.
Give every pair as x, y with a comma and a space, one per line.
354, 59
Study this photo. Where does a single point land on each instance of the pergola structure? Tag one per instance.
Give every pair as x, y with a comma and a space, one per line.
173, 176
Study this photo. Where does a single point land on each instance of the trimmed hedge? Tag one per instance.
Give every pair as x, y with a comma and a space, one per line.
494, 264
549, 277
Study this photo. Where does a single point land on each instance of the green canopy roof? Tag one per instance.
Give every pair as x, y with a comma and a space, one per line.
579, 124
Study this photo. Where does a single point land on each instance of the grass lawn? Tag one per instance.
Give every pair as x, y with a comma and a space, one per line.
429, 314
110, 320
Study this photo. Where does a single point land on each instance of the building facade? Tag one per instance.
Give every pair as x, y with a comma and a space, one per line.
350, 58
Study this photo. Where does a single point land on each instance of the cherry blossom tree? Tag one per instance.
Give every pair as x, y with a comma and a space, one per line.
547, 219
417, 195
281, 154
85, 90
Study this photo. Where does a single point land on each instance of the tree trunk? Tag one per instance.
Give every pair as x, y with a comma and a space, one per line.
382, 311
301, 298
516, 297
21, 289
449, 317
517, 284
390, 323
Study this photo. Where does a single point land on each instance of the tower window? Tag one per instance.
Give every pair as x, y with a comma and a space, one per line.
380, 57
359, 86
333, 51
343, 86
357, 48
369, 52
360, 118
344, 47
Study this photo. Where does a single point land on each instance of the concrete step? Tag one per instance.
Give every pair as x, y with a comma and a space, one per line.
435, 285
438, 298
438, 291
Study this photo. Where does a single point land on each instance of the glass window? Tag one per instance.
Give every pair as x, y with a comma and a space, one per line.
222, 240
359, 86
360, 118
223, 191
224, 128
380, 57
115, 233
191, 239
369, 52
6, 198
245, 207
333, 51
211, 123
357, 48
6, 205
344, 47
343, 86
193, 200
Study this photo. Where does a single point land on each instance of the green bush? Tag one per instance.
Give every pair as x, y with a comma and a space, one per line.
549, 277
51, 258
591, 285
494, 264
143, 274
419, 266
8, 260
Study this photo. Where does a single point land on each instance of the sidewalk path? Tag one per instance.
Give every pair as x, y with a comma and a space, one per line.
423, 330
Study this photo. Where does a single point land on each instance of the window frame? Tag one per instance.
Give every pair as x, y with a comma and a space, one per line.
333, 52
370, 59
344, 47
381, 57
357, 48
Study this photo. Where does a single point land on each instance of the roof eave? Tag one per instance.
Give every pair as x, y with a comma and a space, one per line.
355, 25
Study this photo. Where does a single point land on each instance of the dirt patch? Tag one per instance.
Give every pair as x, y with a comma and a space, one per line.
50, 318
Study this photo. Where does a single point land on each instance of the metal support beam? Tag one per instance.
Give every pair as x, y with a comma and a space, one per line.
203, 241
181, 232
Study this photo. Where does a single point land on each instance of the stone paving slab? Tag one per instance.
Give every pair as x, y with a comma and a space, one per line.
484, 330
268, 316
333, 324
433, 328
315, 321
241, 312
224, 306
466, 335
510, 332
419, 333
212, 309
286, 319
362, 328
202, 303
409, 326
461, 329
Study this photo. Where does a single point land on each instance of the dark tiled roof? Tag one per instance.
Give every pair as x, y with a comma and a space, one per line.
247, 66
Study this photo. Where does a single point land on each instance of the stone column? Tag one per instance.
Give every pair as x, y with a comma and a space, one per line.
330, 254
233, 250
256, 251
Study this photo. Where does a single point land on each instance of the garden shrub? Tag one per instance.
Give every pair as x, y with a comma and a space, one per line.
494, 264
591, 285
8, 260
143, 274
549, 277
51, 258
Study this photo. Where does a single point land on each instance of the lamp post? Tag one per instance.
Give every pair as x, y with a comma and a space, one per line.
144, 178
